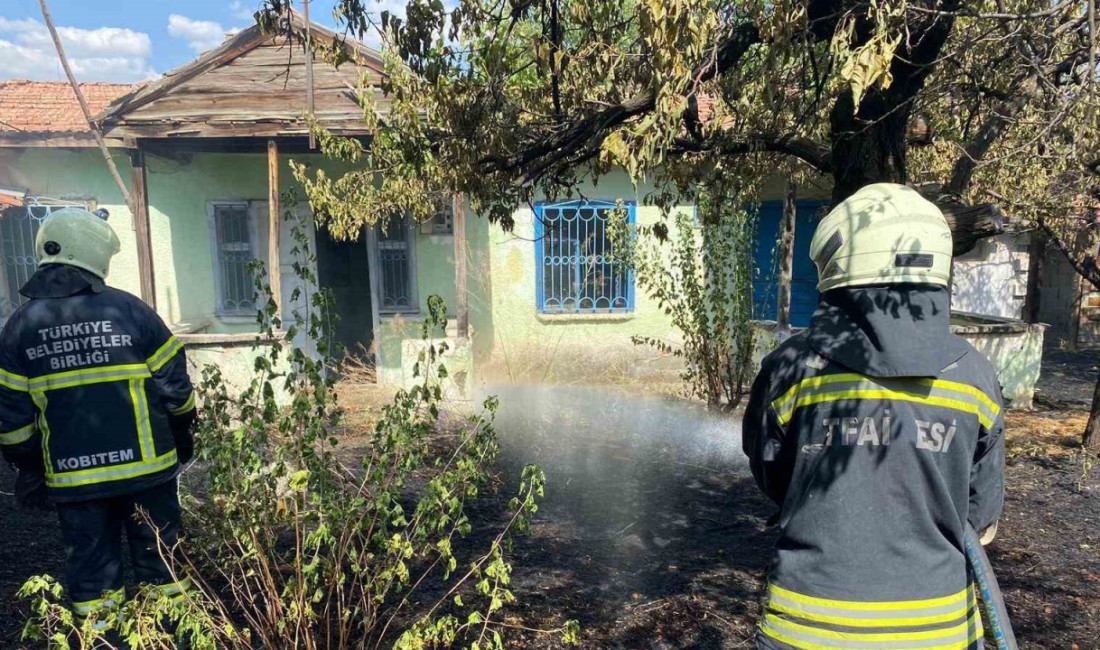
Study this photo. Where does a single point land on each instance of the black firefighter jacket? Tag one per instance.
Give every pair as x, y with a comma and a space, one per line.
89, 376
879, 435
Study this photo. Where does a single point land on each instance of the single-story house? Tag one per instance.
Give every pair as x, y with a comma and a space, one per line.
205, 150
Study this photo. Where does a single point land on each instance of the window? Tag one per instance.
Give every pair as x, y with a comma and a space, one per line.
234, 250
575, 264
18, 229
18, 262
440, 224
396, 267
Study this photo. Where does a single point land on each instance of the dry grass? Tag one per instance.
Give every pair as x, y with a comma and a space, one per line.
1049, 435
361, 402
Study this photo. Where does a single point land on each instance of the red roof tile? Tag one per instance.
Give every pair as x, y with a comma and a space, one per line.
51, 106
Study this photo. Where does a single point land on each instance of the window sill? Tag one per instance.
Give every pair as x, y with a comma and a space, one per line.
585, 317
399, 319
242, 338
236, 319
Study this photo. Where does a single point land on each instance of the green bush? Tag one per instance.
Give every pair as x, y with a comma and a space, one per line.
701, 277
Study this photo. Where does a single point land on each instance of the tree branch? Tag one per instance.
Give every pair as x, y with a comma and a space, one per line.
1025, 90
813, 153
592, 129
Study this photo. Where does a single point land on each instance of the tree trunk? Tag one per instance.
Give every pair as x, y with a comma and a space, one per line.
868, 146
1091, 439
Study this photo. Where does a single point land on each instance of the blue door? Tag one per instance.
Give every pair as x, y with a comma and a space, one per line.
766, 259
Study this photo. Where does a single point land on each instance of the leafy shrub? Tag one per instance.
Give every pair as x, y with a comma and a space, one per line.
701, 276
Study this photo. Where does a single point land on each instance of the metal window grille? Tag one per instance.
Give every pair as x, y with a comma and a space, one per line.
576, 267
233, 228
18, 229
396, 250
18, 261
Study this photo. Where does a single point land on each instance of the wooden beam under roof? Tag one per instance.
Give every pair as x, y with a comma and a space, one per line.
253, 85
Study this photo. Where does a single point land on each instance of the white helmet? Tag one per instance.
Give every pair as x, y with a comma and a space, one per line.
883, 234
78, 238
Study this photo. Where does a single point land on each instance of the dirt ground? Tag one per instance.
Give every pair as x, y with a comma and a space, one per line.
689, 572
661, 543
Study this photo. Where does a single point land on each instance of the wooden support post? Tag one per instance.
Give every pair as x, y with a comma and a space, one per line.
274, 273
139, 195
458, 204
786, 259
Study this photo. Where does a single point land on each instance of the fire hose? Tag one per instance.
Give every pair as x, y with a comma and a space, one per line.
992, 601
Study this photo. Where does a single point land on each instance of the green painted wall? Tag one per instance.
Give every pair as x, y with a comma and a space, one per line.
527, 345
79, 174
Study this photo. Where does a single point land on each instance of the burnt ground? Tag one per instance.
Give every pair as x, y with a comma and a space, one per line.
660, 541
653, 536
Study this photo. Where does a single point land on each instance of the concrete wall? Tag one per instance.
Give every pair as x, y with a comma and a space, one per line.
1058, 295
1015, 349
992, 278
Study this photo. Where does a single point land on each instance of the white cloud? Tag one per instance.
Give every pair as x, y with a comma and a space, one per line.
243, 10
104, 54
201, 35
397, 9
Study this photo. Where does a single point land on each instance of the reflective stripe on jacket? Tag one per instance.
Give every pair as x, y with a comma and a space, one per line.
88, 376
879, 435
812, 623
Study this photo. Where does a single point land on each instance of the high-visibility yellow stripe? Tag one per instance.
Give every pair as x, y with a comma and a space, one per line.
21, 434
975, 634
89, 376
943, 384
813, 382
175, 589
41, 401
958, 405
985, 408
908, 621
771, 621
141, 418
164, 354
13, 381
110, 473
189, 405
109, 599
876, 606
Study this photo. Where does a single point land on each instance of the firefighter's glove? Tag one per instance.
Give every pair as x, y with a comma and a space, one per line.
30, 491
183, 427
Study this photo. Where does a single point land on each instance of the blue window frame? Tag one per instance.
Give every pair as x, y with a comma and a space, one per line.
766, 272
575, 265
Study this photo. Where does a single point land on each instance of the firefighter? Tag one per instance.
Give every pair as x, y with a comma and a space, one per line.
96, 411
879, 435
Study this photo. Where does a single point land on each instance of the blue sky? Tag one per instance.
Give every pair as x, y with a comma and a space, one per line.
127, 40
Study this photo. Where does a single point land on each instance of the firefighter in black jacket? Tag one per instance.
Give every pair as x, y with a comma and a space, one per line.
96, 410
879, 435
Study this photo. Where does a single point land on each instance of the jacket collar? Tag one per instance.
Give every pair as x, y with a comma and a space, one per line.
61, 281
900, 330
